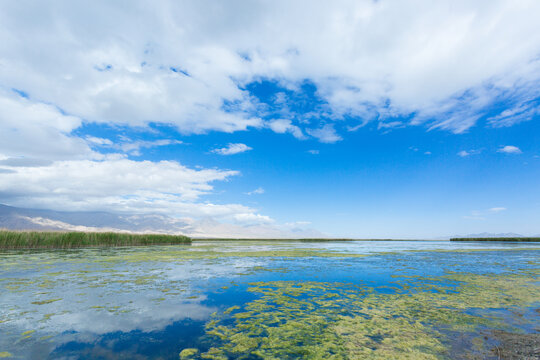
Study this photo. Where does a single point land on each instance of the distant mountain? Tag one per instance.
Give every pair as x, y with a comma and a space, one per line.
488, 235
36, 219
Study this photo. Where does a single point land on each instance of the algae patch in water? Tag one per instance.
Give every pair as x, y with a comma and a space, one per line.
5, 354
43, 302
188, 353
327, 320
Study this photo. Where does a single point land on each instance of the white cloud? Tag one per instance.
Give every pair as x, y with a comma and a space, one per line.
298, 224
232, 149
514, 115
257, 191
465, 153
98, 141
314, 152
325, 134
129, 146
119, 184
210, 228
281, 126
37, 130
481, 215
509, 149
247, 218
185, 63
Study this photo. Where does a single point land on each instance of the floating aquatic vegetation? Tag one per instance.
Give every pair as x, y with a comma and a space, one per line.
321, 320
188, 353
315, 301
43, 302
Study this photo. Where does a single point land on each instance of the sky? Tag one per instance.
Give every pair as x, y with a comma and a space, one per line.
403, 119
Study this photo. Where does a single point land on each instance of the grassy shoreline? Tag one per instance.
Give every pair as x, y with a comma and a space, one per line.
521, 239
69, 240
10, 239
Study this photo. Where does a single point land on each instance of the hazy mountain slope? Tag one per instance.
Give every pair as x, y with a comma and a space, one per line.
36, 219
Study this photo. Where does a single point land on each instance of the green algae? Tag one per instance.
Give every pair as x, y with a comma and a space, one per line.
188, 353
331, 310
5, 354
44, 302
321, 320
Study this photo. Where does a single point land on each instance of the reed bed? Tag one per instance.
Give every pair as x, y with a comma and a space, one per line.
68, 240
536, 239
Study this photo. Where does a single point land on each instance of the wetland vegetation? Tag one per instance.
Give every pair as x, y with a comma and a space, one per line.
68, 240
518, 239
272, 300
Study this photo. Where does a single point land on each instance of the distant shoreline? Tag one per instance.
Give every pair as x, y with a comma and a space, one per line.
10, 239
503, 239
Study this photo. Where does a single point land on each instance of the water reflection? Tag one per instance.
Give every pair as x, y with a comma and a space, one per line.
152, 302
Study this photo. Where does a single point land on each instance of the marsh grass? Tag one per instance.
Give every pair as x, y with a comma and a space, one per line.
67, 240
537, 239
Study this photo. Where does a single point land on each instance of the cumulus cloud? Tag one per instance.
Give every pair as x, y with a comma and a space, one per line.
509, 149
116, 177
38, 131
247, 218
187, 63
281, 126
232, 149
121, 185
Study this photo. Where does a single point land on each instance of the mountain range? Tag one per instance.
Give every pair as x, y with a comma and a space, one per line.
14, 218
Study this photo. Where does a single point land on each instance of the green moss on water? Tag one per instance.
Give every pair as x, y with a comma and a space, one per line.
312, 320
188, 353
320, 320
44, 302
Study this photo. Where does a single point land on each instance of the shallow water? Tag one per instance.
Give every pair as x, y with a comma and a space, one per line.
254, 299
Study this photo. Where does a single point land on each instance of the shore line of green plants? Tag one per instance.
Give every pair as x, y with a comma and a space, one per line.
530, 239
69, 240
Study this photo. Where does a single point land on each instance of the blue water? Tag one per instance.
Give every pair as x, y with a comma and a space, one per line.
140, 303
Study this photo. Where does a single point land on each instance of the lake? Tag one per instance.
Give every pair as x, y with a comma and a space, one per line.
270, 300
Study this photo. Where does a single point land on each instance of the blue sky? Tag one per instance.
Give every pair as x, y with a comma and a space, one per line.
356, 119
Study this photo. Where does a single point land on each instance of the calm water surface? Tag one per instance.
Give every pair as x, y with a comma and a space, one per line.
153, 302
